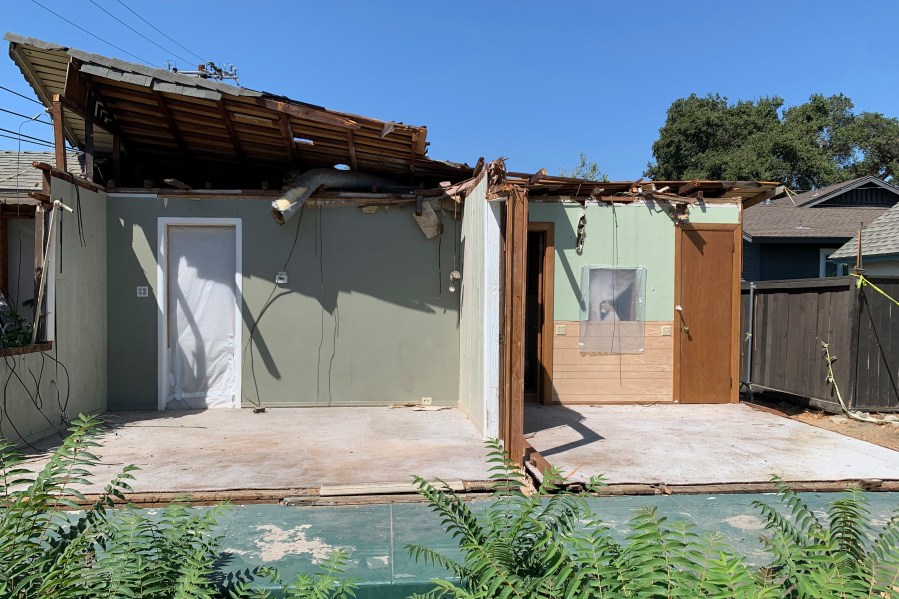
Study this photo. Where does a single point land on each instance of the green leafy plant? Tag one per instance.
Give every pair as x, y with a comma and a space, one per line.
52, 548
550, 544
16, 331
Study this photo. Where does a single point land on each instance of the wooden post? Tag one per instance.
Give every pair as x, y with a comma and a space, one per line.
59, 134
89, 149
39, 240
515, 278
116, 159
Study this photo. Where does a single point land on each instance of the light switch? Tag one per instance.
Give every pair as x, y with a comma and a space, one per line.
143, 291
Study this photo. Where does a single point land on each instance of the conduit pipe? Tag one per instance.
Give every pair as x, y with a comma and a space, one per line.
306, 184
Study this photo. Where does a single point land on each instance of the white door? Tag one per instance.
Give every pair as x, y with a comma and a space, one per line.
201, 314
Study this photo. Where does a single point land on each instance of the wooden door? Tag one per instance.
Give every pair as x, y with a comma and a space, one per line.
706, 316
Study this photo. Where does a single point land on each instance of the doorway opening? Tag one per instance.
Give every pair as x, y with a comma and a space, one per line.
538, 336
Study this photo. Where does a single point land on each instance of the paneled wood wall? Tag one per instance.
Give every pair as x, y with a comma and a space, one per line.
583, 378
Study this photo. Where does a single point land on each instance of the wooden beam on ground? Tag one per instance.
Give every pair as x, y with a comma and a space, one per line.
59, 135
532, 180
309, 113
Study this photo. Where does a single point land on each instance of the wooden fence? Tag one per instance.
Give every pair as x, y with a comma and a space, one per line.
789, 321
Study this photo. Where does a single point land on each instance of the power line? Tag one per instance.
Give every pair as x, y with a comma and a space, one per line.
24, 116
37, 143
26, 137
166, 50
6, 89
132, 11
93, 35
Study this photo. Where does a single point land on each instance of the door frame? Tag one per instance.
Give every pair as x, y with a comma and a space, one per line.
162, 295
545, 298
737, 229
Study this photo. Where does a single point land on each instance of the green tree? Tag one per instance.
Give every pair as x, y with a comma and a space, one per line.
810, 145
585, 169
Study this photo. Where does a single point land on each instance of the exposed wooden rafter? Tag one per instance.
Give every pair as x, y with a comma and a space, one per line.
170, 122
235, 141
287, 134
309, 113
351, 142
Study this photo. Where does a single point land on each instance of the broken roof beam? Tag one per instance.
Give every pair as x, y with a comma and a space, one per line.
287, 137
532, 180
317, 115
351, 143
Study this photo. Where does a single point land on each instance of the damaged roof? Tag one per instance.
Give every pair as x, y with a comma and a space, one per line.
171, 118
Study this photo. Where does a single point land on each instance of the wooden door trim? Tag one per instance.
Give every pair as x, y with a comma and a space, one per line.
545, 299
737, 230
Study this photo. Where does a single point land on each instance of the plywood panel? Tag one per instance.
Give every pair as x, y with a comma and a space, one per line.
584, 378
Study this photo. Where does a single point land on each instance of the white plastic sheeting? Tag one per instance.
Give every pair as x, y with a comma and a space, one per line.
613, 309
201, 313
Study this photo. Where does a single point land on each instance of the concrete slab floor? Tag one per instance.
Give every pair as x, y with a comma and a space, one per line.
374, 537
698, 444
288, 448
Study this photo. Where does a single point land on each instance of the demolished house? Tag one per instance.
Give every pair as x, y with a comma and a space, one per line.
233, 248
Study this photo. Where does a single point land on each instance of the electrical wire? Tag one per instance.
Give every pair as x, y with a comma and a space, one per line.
24, 116
15, 93
26, 137
132, 11
36, 143
265, 306
138, 32
93, 35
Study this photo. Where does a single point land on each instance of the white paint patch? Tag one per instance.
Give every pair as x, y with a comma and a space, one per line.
277, 542
746, 522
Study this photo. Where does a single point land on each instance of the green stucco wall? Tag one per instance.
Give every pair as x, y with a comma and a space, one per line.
624, 235
380, 329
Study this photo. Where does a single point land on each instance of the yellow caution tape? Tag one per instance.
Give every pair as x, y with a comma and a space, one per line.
864, 281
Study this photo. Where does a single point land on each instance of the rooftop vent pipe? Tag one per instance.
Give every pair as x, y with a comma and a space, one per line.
306, 184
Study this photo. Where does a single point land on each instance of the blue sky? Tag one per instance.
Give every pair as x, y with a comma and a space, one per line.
536, 82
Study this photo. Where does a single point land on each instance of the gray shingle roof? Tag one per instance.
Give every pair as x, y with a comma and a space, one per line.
778, 220
880, 238
16, 172
809, 198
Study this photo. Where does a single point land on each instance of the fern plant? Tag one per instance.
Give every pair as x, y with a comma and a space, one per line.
50, 548
550, 544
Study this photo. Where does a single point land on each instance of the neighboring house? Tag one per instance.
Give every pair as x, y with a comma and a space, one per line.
880, 247
791, 238
17, 265
396, 279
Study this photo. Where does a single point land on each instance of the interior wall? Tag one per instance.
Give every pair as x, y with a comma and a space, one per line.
634, 234
365, 317
77, 313
480, 311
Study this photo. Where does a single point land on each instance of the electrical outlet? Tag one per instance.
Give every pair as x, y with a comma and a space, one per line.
426, 401
666, 330
281, 278
143, 291
561, 329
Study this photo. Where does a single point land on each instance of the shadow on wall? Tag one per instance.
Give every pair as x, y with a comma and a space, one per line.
335, 258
